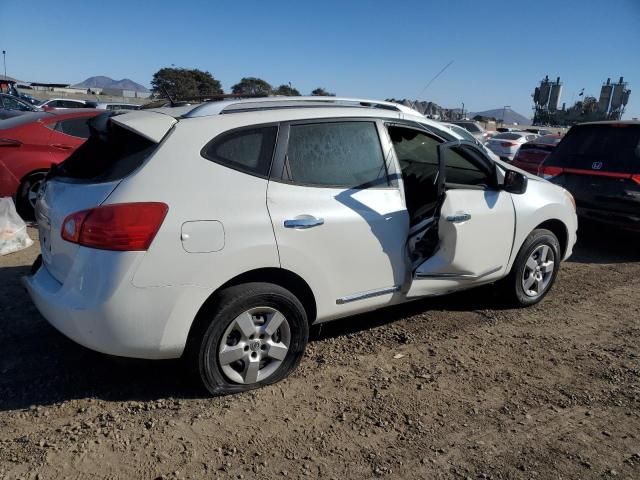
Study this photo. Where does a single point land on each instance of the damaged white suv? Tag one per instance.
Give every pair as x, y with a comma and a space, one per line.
220, 232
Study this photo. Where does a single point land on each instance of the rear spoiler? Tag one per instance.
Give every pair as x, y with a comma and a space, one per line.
148, 124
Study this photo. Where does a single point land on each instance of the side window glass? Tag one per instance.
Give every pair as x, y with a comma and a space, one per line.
76, 127
249, 150
341, 154
461, 170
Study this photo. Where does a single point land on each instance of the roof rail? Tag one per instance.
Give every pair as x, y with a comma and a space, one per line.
271, 103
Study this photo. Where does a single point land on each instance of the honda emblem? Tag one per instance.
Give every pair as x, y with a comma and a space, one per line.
596, 165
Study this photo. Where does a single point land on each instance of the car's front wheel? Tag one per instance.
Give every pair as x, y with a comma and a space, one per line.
253, 335
535, 268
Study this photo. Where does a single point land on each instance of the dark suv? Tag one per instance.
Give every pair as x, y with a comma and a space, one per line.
599, 163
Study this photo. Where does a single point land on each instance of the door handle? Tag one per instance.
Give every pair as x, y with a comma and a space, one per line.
62, 147
458, 217
304, 222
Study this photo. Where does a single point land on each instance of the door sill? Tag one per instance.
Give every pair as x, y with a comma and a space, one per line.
460, 276
363, 295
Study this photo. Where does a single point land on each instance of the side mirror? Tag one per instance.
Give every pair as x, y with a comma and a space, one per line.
515, 182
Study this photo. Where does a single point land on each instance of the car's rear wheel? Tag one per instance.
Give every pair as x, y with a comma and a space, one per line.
535, 268
253, 335
28, 194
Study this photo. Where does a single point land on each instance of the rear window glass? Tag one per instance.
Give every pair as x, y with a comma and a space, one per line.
508, 136
249, 150
23, 119
110, 153
600, 147
76, 127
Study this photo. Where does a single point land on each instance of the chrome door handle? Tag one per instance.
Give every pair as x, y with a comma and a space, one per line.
303, 222
458, 218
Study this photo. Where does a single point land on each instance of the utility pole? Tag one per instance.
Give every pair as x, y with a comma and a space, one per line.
504, 111
462, 115
4, 58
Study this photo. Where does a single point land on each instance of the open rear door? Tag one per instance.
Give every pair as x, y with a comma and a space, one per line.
475, 225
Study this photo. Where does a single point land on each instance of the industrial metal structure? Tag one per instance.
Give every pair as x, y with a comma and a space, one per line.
610, 105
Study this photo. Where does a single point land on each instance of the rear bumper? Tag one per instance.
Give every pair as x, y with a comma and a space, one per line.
122, 320
618, 219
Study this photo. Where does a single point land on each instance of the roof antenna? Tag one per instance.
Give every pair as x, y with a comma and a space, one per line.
164, 90
436, 76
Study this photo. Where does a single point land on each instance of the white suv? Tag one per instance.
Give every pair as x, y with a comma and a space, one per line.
220, 232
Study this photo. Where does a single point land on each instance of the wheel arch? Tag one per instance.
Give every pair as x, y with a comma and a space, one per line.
32, 172
559, 229
277, 276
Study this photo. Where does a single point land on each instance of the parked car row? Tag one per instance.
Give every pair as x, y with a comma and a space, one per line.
59, 103
12, 105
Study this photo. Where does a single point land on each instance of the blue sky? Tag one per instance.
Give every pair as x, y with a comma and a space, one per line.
500, 50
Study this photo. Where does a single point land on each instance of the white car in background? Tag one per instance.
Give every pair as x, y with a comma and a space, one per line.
466, 135
505, 145
116, 106
221, 232
63, 103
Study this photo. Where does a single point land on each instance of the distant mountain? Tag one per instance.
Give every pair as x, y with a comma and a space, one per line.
106, 82
510, 116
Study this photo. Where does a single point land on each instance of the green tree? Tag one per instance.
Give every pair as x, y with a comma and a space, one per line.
286, 90
321, 92
184, 82
251, 86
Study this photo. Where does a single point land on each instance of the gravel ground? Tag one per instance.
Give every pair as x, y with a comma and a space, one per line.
459, 387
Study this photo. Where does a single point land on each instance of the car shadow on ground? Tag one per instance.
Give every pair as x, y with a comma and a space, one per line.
39, 366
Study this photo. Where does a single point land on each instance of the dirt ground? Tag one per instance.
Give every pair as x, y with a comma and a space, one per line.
458, 387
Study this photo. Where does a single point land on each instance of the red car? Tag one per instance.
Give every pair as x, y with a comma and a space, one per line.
531, 154
31, 143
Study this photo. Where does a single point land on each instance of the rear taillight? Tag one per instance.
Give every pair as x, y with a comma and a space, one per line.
7, 142
548, 172
508, 144
636, 178
121, 226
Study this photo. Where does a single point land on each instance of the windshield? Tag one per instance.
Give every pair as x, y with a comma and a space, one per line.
606, 147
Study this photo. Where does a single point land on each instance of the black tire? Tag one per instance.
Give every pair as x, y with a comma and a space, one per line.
209, 329
513, 285
29, 186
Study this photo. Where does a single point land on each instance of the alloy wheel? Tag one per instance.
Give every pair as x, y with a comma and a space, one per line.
33, 188
254, 345
538, 271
